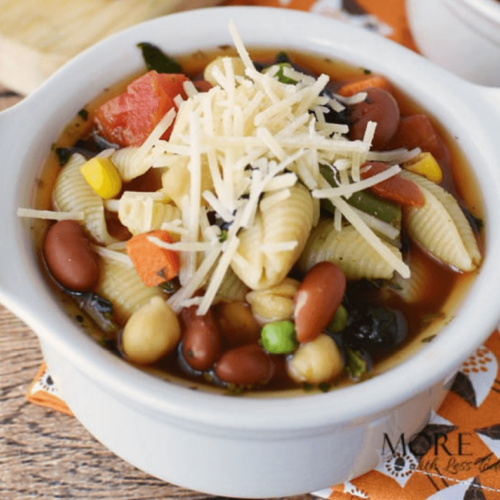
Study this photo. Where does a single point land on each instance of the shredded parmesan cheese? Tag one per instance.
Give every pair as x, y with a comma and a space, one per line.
114, 255
49, 214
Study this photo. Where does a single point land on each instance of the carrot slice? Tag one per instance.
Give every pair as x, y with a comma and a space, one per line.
129, 118
402, 191
154, 264
357, 85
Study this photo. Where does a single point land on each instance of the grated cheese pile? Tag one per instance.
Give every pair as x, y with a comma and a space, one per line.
254, 134
248, 135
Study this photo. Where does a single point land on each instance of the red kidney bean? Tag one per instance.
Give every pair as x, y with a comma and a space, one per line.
70, 257
245, 365
201, 342
317, 299
380, 107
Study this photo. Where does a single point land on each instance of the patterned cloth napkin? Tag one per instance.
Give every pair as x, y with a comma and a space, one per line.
457, 455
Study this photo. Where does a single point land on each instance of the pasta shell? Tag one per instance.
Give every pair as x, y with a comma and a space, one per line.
274, 303
176, 180
231, 288
347, 249
441, 227
260, 262
121, 285
141, 213
72, 193
129, 163
414, 289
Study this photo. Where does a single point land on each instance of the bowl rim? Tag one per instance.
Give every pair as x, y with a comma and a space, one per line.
385, 391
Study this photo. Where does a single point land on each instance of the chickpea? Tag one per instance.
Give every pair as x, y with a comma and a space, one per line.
317, 361
236, 63
151, 332
237, 323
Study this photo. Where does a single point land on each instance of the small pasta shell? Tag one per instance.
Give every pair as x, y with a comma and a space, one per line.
348, 250
141, 213
414, 288
129, 163
274, 303
231, 288
176, 180
236, 65
441, 227
72, 193
260, 262
121, 285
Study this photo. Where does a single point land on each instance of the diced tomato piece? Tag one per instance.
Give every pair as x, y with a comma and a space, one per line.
417, 131
395, 188
129, 118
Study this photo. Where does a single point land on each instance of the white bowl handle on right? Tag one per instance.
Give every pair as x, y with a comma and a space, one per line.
492, 97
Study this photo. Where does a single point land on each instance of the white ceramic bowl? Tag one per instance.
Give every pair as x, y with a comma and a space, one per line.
463, 36
242, 447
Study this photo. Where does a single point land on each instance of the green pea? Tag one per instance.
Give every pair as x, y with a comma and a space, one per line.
339, 321
279, 337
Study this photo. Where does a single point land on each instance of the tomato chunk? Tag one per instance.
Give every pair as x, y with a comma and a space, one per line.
417, 131
129, 118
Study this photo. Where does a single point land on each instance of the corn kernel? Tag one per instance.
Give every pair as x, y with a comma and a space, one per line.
102, 176
425, 164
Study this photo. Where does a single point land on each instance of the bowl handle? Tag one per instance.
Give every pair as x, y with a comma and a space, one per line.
12, 123
492, 97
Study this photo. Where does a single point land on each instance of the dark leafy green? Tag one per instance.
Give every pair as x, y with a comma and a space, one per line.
357, 365
157, 60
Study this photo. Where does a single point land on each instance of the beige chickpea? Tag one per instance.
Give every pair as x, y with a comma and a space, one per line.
236, 63
151, 332
274, 303
317, 361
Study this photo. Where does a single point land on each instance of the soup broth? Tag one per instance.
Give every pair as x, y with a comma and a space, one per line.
384, 317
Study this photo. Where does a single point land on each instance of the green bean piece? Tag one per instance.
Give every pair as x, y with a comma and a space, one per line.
339, 321
365, 201
279, 337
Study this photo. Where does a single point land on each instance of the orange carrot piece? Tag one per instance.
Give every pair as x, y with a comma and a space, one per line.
357, 85
402, 191
154, 264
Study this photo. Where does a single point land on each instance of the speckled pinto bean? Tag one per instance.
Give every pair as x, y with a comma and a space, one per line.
201, 343
245, 365
380, 107
70, 257
317, 299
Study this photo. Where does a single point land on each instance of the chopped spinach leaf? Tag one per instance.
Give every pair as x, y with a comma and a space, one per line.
357, 366
83, 114
63, 155
157, 60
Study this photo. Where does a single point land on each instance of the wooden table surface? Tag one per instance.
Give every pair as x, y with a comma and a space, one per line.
45, 454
